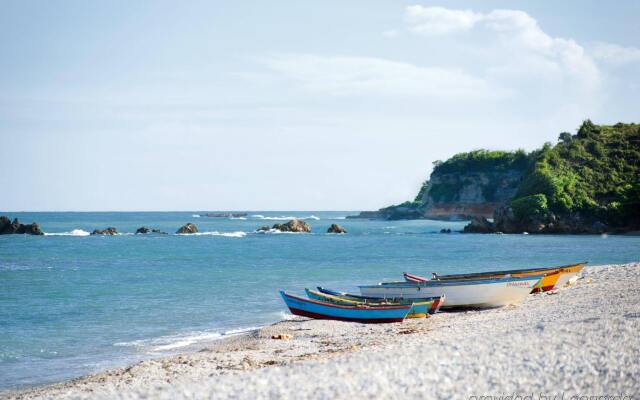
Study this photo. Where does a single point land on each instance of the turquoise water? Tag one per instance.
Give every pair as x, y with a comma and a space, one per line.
72, 305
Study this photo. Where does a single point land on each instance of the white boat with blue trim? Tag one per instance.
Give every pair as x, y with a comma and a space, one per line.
478, 293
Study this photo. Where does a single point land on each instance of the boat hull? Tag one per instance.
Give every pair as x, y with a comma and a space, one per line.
364, 314
484, 293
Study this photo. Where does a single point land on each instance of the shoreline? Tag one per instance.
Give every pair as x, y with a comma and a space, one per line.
579, 339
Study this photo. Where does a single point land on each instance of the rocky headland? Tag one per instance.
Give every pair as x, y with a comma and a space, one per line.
588, 183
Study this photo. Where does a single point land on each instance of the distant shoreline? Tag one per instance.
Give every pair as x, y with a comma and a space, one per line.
542, 332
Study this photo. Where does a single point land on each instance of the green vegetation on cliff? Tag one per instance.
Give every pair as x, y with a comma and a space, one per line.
483, 161
594, 174
489, 163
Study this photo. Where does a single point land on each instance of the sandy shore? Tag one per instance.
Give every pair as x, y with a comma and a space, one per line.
579, 340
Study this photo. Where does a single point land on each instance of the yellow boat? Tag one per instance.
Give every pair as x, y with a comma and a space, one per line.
553, 276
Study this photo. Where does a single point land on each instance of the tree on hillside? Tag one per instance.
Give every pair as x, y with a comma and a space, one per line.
565, 137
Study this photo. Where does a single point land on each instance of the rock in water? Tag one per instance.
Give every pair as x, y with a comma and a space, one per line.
295, 225
445, 230
144, 230
7, 227
31, 229
188, 229
335, 228
479, 225
109, 231
264, 228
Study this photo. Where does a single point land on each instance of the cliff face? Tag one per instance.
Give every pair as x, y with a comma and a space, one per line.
465, 186
463, 195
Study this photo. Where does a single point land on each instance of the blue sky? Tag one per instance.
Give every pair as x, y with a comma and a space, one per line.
117, 105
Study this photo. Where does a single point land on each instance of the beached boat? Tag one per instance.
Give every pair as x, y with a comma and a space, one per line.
473, 293
359, 313
436, 301
553, 276
419, 308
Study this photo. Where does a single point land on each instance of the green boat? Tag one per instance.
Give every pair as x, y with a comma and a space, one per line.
420, 307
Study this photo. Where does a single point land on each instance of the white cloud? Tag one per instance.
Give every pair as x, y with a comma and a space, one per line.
439, 20
521, 42
615, 54
367, 75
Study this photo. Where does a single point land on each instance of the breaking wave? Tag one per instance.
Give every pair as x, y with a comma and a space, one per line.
75, 232
173, 342
195, 215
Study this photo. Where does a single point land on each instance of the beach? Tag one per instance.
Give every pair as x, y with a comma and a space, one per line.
578, 340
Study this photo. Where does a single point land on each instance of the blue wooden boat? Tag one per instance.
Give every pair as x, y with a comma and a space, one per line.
359, 313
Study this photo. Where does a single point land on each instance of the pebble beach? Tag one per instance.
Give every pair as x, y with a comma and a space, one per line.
580, 340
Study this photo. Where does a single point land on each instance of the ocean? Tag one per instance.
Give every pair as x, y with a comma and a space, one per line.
73, 304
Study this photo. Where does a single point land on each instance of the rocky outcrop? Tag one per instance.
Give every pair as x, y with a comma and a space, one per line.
8, 227
264, 228
505, 220
295, 225
109, 231
144, 230
335, 228
188, 229
479, 225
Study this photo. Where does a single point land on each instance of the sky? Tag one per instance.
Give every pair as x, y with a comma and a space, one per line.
291, 105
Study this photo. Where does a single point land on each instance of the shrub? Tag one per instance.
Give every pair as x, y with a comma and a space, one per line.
530, 206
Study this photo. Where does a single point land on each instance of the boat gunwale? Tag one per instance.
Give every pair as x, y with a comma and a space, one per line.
512, 271
359, 307
461, 282
355, 296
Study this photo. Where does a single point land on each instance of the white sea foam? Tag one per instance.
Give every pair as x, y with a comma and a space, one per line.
286, 316
173, 342
195, 215
75, 232
242, 218
279, 232
283, 218
237, 234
